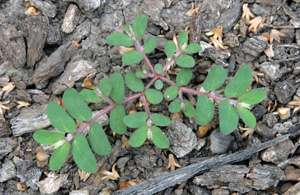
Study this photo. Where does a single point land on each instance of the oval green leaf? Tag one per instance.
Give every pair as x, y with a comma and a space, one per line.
98, 140
59, 156
185, 61
247, 116
140, 74
105, 87
204, 110
175, 106
215, 78
119, 39
150, 45
193, 48
116, 119
240, 82
184, 76
134, 83
253, 96
139, 25
60, 119
154, 96
83, 155
171, 93
159, 138
47, 137
160, 120
76, 106
183, 38
135, 120
158, 85
189, 109
118, 89
158, 68
139, 136
132, 57
90, 96
170, 48
228, 117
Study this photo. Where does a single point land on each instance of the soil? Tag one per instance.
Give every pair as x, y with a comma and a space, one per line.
49, 46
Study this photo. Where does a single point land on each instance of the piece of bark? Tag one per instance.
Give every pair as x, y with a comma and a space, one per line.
55, 64
288, 11
88, 5
35, 43
170, 179
291, 174
71, 18
47, 7
294, 190
12, 46
195, 28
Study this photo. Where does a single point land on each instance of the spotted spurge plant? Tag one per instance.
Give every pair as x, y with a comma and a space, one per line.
233, 101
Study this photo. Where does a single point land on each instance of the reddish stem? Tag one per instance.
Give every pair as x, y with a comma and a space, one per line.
146, 105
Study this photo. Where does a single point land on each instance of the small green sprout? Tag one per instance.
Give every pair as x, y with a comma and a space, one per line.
234, 101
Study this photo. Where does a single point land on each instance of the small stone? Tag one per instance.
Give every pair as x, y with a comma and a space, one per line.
52, 183
270, 70
122, 161
277, 154
182, 139
7, 145
7, 171
264, 131
270, 119
71, 18
219, 142
284, 91
231, 40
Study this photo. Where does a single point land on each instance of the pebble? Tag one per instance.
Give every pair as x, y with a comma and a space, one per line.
264, 131
284, 91
219, 142
182, 139
270, 70
7, 170
52, 183
7, 145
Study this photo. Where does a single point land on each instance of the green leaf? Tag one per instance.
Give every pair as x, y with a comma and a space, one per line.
228, 117
59, 156
193, 48
171, 93
98, 140
139, 136
60, 119
240, 82
170, 48
132, 57
158, 68
76, 106
158, 85
204, 110
184, 76
134, 83
159, 138
116, 119
215, 78
183, 38
118, 89
253, 96
127, 27
119, 39
185, 61
154, 96
175, 106
90, 96
105, 87
140, 74
135, 120
189, 109
82, 154
150, 45
47, 137
139, 25
247, 116
160, 120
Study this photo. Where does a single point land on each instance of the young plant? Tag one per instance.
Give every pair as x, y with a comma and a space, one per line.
234, 100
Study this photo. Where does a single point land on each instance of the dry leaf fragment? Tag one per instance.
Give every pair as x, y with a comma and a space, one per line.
217, 43
125, 143
3, 107
172, 163
176, 42
266, 36
8, 88
192, 10
77, 44
87, 83
123, 49
203, 129
269, 51
217, 33
295, 102
284, 113
31, 10
22, 104
256, 24
129, 183
114, 175
247, 13
83, 175
275, 34
21, 187
248, 131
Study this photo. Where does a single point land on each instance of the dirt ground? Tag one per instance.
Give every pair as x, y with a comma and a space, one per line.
49, 46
